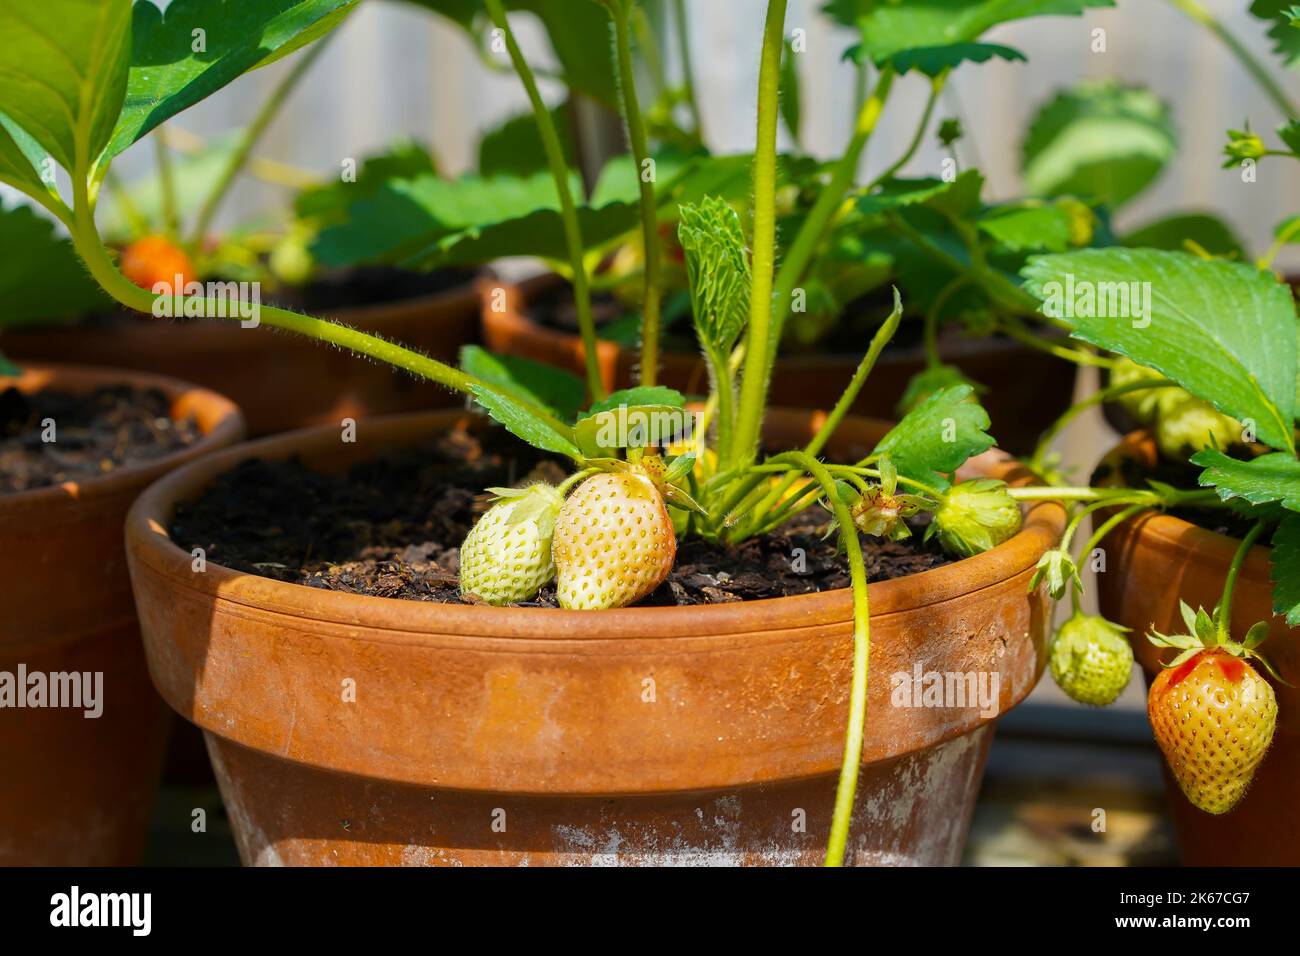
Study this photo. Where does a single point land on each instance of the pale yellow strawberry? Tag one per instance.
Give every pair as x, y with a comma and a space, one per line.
614, 542
506, 557
1213, 717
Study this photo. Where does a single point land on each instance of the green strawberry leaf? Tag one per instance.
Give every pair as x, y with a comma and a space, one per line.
329, 201
524, 424
717, 264
535, 382
933, 60
1224, 331
890, 27
1261, 481
1098, 140
22, 160
1027, 226
1282, 31
604, 431
1206, 231
65, 73
960, 196
1286, 569
930, 380
936, 437
515, 147
169, 75
656, 395
41, 276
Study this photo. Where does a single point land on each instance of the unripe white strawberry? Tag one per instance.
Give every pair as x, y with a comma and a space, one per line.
506, 557
614, 541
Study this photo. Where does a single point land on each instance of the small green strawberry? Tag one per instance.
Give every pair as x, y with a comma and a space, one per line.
1057, 569
1091, 659
975, 516
506, 557
614, 540
1186, 425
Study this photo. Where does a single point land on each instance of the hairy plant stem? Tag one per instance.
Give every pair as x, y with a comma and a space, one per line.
1230, 582
270, 109
932, 316
1111, 523
568, 210
682, 27
621, 11
1074, 411
91, 249
846, 789
1199, 13
753, 385
1014, 329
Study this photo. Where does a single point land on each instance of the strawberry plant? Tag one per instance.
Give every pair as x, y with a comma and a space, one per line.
609, 532
1204, 353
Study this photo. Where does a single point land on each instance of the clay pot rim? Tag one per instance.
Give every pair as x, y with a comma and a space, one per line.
1182, 535
403, 621
220, 423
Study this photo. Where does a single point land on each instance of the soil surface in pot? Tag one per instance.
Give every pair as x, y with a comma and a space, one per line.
1135, 474
95, 433
392, 527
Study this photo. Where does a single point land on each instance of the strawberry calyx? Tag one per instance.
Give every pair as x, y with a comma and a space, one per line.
660, 474
1204, 638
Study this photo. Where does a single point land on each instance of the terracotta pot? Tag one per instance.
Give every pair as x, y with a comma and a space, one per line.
279, 380
525, 736
1155, 561
73, 790
1033, 388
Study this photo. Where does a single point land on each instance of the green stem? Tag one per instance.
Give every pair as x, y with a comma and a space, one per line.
90, 248
1283, 237
814, 227
682, 25
936, 87
1197, 12
167, 186
846, 789
1074, 411
135, 220
883, 335
621, 11
723, 389
1230, 583
568, 210
753, 385
1015, 330
270, 109
1110, 525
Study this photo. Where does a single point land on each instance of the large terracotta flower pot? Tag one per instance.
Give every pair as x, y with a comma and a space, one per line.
77, 790
1033, 388
348, 729
1153, 562
279, 380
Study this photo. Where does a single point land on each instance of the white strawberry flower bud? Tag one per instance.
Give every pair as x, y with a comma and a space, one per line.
506, 557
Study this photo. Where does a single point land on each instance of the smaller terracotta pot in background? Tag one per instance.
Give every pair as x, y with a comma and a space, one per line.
77, 790
279, 380
1029, 389
1153, 562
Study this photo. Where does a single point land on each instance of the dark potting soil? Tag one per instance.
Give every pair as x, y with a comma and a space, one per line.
392, 527
94, 434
